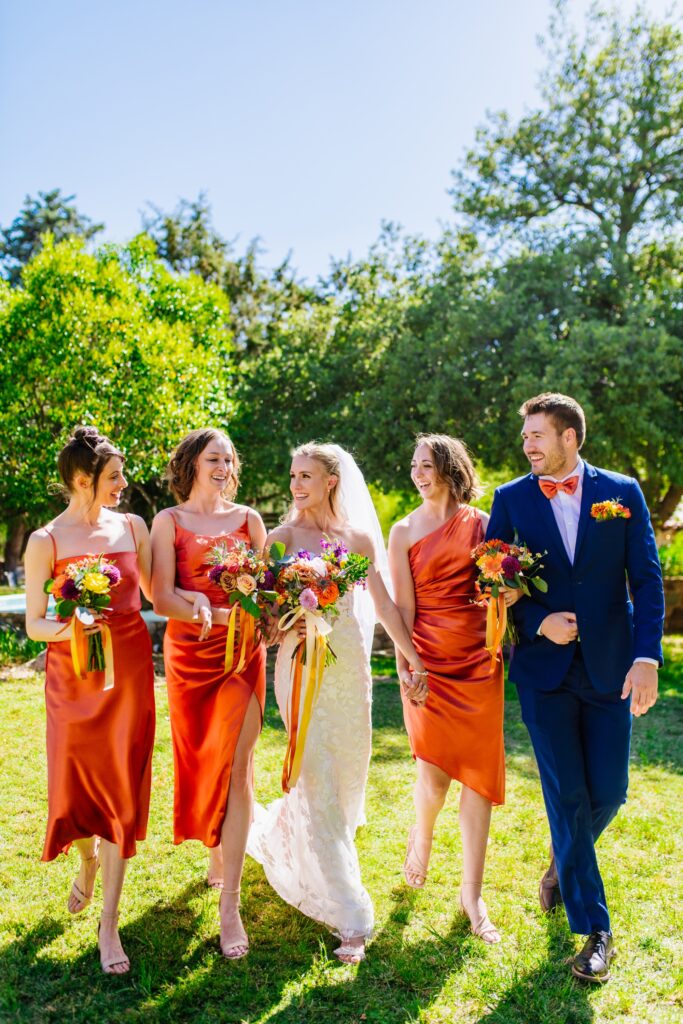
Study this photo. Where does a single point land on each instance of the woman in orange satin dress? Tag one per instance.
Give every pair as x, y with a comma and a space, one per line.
216, 716
99, 742
458, 732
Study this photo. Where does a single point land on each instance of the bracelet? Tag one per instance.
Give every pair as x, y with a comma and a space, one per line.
420, 673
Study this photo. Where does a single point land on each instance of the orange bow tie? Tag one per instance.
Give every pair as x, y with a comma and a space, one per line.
551, 487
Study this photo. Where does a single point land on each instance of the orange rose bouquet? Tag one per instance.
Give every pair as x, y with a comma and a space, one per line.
309, 587
502, 565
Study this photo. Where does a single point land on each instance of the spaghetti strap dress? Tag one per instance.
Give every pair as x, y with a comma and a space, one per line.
100, 742
460, 728
207, 705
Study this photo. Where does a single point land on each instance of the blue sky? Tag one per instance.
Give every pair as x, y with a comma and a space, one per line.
307, 122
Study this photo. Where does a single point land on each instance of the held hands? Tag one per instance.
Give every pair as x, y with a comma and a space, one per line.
641, 682
560, 627
414, 685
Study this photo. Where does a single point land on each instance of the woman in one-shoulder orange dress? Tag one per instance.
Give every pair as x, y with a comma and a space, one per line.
99, 742
216, 715
458, 733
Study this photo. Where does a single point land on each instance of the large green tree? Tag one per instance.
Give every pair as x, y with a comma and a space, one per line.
113, 339
50, 213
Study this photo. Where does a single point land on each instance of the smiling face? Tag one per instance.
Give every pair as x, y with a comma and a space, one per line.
424, 474
111, 483
213, 468
550, 452
310, 483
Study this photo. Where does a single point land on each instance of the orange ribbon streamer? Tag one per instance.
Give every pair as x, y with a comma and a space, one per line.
496, 623
80, 651
247, 626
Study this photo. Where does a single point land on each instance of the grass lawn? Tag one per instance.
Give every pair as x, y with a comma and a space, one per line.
423, 964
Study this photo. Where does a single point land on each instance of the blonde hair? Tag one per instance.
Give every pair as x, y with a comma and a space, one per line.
453, 465
329, 460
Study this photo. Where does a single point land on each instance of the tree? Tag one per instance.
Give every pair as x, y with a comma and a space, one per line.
112, 339
260, 301
51, 213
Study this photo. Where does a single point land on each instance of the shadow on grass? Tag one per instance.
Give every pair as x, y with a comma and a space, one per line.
175, 975
397, 979
550, 992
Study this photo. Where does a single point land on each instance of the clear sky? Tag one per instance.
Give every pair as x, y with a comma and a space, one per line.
307, 122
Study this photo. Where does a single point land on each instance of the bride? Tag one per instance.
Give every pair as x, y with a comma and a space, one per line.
305, 840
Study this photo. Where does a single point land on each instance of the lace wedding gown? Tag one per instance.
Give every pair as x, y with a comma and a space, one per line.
305, 840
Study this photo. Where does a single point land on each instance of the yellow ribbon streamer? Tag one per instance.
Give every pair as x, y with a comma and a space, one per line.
305, 686
496, 623
80, 650
247, 625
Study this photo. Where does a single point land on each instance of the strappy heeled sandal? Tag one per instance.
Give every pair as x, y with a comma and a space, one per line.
214, 881
235, 950
412, 863
80, 898
483, 928
349, 954
116, 960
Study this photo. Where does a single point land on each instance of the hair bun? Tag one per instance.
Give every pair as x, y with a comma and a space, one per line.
87, 435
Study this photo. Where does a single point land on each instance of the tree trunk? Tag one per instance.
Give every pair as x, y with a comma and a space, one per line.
666, 507
14, 545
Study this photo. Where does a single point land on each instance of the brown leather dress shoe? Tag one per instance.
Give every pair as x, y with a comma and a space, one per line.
592, 963
549, 895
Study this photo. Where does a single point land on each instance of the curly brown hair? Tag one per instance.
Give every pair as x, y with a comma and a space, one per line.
180, 471
453, 465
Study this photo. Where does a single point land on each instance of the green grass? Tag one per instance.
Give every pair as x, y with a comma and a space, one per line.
423, 965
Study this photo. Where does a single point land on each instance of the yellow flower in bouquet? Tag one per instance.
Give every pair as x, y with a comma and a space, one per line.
96, 582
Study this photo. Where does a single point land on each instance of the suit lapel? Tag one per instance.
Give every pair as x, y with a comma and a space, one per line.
546, 513
590, 483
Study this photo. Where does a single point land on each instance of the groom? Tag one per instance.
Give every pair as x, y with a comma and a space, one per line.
588, 649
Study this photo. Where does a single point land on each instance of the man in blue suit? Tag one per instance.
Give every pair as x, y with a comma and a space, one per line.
588, 650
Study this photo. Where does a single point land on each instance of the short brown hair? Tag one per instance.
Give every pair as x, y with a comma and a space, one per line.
180, 471
87, 451
561, 409
453, 465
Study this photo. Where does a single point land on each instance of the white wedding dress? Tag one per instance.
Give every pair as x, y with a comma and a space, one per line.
305, 840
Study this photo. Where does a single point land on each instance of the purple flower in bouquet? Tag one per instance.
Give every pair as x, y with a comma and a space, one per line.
215, 573
112, 573
510, 565
303, 553
69, 591
308, 600
268, 581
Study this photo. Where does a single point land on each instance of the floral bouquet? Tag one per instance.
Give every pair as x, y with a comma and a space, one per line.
80, 591
309, 586
510, 566
244, 575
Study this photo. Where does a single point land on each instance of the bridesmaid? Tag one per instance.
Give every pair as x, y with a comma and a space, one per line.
458, 733
216, 717
99, 743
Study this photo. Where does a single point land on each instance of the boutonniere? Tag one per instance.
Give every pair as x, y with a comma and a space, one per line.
603, 511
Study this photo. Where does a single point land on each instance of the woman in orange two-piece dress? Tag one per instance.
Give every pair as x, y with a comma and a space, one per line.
99, 742
216, 715
458, 732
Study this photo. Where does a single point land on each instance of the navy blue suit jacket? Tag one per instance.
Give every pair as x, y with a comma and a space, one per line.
613, 629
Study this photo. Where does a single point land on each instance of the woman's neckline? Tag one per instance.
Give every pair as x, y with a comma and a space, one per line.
437, 529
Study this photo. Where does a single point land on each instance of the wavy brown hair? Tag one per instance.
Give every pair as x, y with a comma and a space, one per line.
180, 472
453, 465
562, 410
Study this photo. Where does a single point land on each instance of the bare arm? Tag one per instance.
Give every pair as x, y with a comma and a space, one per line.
165, 599
402, 579
39, 568
144, 546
